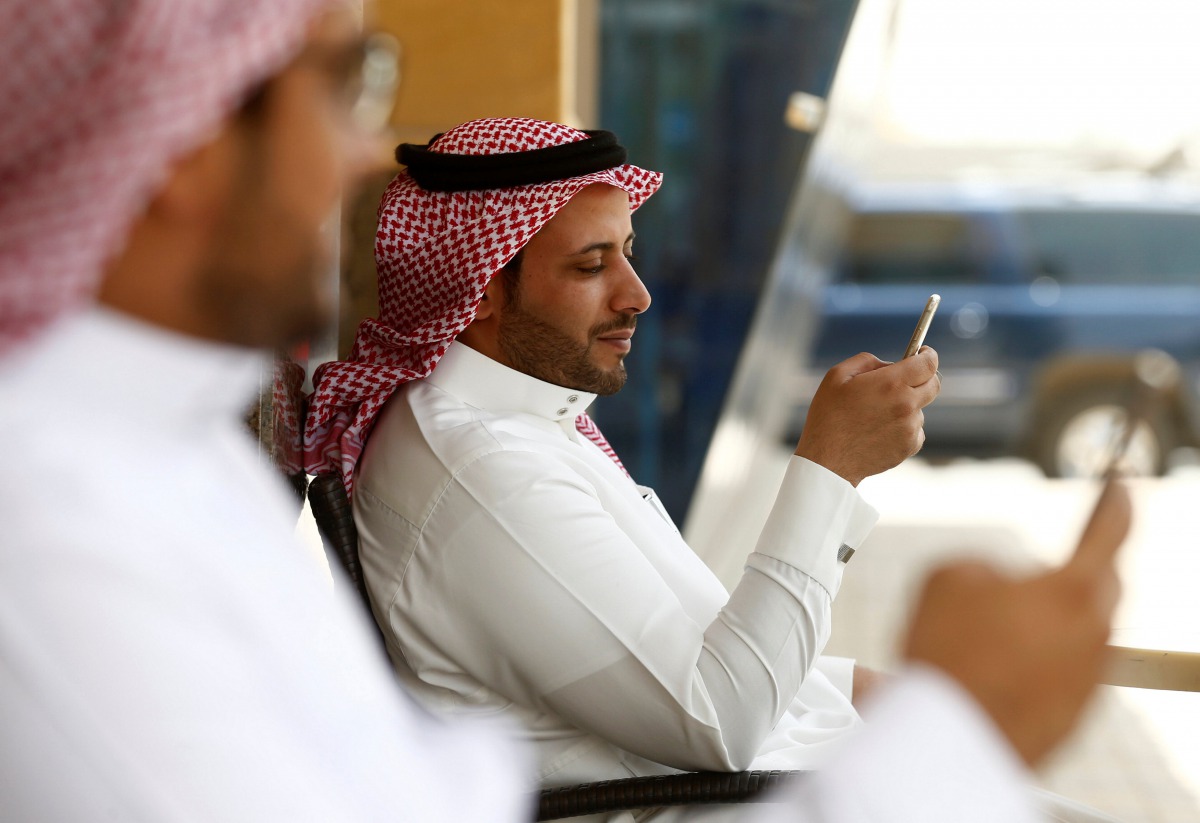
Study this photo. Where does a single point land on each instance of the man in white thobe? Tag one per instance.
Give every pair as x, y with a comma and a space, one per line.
514, 564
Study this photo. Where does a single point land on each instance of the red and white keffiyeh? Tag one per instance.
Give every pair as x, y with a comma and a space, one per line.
435, 253
97, 99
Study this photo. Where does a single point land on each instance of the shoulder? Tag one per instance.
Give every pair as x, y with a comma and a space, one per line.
428, 432
428, 446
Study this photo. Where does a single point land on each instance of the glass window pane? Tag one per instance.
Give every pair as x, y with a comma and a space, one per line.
908, 248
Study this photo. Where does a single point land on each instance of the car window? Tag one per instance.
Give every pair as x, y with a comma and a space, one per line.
1113, 246
908, 248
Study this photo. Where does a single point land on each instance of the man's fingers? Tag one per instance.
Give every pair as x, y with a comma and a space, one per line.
860, 363
960, 578
920, 440
928, 391
919, 369
1106, 529
914, 371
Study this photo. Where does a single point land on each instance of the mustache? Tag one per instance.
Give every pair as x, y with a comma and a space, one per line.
624, 321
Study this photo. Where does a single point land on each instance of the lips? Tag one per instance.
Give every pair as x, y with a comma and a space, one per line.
619, 339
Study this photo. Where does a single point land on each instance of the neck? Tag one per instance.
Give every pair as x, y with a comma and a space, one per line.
480, 337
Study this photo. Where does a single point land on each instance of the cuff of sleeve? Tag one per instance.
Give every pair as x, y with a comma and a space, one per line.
839, 671
815, 513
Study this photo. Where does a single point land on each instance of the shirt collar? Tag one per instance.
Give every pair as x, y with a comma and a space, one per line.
480, 381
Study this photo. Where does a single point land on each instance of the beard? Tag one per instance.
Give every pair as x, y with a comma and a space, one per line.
541, 350
262, 305
266, 284
264, 302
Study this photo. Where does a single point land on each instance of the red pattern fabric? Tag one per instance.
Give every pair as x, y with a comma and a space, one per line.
98, 100
435, 253
586, 426
287, 407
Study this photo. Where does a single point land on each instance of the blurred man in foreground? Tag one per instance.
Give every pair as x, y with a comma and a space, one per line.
166, 652
169, 653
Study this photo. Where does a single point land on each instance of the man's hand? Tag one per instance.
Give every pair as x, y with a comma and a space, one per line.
1030, 651
866, 415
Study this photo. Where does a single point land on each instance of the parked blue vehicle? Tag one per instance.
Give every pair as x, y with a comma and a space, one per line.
1047, 296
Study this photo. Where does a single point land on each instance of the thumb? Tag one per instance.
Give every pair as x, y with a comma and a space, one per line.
860, 363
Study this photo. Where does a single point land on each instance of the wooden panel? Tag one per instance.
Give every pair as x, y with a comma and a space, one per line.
464, 59
460, 60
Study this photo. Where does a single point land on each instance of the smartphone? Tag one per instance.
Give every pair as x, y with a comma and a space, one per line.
918, 335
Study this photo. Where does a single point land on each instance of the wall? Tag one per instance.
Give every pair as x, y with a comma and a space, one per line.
461, 60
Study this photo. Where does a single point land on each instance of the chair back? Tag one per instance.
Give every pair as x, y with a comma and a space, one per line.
335, 520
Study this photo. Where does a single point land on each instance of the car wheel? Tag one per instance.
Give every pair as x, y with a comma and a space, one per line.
1077, 434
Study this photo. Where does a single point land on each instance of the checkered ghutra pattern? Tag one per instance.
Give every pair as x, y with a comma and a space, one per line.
588, 428
98, 100
435, 253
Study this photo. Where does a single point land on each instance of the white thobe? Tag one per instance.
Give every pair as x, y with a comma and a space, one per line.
167, 651
928, 754
519, 571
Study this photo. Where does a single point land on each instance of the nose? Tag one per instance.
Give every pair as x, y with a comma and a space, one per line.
631, 295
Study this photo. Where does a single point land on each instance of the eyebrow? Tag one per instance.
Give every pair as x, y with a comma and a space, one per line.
603, 246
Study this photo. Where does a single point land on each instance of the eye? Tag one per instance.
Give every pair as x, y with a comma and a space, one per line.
591, 267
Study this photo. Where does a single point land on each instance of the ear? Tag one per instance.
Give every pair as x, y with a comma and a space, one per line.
492, 301
483, 333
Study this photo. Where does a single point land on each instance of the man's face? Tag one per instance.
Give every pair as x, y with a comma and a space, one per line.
571, 318
266, 279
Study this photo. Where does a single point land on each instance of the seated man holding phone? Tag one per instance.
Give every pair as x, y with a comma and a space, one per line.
514, 565
513, 322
